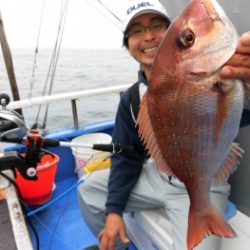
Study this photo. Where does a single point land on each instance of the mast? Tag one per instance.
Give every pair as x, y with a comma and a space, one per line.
8, 63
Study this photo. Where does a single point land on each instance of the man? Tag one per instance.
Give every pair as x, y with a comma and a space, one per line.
133, 183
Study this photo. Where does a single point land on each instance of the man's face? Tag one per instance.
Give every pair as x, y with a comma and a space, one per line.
144, 36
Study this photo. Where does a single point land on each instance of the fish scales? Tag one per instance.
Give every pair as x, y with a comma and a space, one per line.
189, 116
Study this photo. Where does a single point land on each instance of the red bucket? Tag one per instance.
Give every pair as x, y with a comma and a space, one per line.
40, 191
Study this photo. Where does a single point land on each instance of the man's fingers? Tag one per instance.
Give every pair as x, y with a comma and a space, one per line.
245, 40
235, 73
124, 238
107, 240
239, 60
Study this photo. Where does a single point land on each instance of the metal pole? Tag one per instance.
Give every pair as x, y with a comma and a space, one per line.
74, 112
8, 63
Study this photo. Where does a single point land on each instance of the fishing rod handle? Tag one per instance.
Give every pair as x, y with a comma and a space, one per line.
115, 148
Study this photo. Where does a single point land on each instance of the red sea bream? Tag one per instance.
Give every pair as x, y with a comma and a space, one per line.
189, 116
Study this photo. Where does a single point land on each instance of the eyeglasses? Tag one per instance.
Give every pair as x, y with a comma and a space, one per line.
155, 25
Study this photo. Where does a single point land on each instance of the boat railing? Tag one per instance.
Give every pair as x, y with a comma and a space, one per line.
70, 96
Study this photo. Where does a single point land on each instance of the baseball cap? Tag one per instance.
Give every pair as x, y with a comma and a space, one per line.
138, 7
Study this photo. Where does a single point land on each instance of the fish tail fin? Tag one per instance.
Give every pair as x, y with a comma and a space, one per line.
202, 224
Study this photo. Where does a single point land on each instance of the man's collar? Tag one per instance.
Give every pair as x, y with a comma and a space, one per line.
142, 77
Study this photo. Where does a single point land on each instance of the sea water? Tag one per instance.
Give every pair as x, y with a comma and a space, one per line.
77, 70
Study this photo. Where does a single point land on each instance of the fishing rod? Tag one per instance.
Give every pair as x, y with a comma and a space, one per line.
35, 145
47, 142
14, 130
35, 149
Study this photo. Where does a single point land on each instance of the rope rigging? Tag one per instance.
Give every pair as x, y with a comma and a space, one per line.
108, 10
53, 63
32, 80
56, 52
49, 81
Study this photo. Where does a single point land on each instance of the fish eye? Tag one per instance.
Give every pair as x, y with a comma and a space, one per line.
186, 38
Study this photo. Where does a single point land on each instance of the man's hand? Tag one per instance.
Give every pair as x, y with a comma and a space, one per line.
114, 226
238, 67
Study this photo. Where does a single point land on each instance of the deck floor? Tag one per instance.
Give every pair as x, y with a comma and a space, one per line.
7, 240
61, 226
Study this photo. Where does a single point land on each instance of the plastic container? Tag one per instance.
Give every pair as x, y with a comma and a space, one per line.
88, 160
40, 191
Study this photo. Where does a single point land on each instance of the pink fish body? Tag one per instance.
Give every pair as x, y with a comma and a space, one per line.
189, 116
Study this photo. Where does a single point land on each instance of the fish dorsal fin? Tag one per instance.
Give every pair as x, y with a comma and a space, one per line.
146, 132
230, 164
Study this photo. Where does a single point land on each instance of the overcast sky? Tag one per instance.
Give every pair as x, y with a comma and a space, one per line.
87, 25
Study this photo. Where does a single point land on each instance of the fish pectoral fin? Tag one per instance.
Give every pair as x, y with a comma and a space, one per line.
223, 86
230, 164
204, 223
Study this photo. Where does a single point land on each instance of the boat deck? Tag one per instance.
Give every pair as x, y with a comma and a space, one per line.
61, 226
13, 230
7, 238
59, 223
